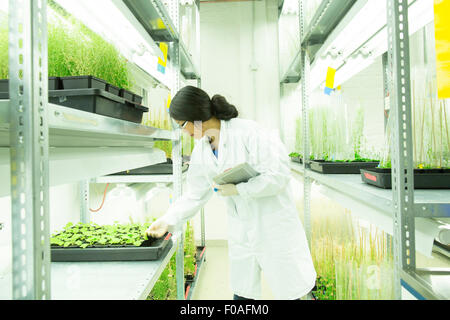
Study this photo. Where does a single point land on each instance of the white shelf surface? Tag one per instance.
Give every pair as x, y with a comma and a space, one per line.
74, 128
115, 280
380, 199
71, 165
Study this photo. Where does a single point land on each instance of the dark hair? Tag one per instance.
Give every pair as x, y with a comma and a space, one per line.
193, 104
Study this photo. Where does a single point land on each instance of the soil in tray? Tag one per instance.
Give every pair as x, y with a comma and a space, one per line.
423, 178
341, 167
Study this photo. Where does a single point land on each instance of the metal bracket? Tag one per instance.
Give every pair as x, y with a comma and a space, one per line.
28, 88
401, 149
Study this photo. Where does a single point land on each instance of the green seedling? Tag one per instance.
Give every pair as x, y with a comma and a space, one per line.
84, 235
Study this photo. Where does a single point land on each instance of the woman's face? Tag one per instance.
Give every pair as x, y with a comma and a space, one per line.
189, 128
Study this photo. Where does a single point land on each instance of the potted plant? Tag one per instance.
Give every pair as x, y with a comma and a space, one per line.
431, 142
337, 140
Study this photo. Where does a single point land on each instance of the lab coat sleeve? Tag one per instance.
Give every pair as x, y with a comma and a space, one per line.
198, 192
269, 157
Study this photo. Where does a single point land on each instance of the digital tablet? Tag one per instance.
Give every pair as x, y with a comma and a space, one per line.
238, 174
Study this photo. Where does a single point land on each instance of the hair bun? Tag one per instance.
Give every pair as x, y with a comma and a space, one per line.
223, 110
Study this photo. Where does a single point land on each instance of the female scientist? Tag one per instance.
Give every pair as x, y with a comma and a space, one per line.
264, 230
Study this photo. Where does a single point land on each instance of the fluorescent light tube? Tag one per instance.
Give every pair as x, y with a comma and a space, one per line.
365, 32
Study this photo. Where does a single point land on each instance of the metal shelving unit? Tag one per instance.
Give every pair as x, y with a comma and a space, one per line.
403, 204
42, 145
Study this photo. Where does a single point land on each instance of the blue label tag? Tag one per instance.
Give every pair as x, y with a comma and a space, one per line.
328, 91
161, 69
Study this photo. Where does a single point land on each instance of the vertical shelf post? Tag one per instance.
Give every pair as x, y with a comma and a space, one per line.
174, 7
85, 215
401, 144
202, 212
29, 148
305, 70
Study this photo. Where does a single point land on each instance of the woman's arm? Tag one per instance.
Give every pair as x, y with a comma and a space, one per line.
269, 157
197, 195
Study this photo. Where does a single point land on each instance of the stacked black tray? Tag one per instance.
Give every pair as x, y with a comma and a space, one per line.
91, 94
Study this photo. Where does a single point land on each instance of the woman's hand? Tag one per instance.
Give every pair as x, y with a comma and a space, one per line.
157, 229
227, 190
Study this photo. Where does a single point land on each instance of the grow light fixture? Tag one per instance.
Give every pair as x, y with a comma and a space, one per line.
112, 20
363, 39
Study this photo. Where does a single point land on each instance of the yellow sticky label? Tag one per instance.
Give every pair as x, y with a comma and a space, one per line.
164, 47
330, 78
160, 24
442, 31
169, 100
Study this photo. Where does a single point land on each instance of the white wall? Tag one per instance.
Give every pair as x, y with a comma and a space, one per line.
227, 57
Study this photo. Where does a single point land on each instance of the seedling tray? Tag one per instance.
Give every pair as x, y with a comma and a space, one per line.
127, 95
156, 169
191, 283
113, 89
83, 82
296, 159
152, 249
423, 178
99, 102
54, 83
326, 167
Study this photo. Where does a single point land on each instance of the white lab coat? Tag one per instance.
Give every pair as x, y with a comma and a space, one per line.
265, 232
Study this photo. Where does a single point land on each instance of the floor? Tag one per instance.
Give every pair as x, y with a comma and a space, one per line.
213, 282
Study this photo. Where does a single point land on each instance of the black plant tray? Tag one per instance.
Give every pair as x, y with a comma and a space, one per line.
54, 83
296, 159
190, 283
152, 249
157, 169
83, 82
326, 167
99, 102
423, 178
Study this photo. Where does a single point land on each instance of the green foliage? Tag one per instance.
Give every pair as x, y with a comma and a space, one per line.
189, 251
84, 235
3, 46
352, 262
166, 288
74, 50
